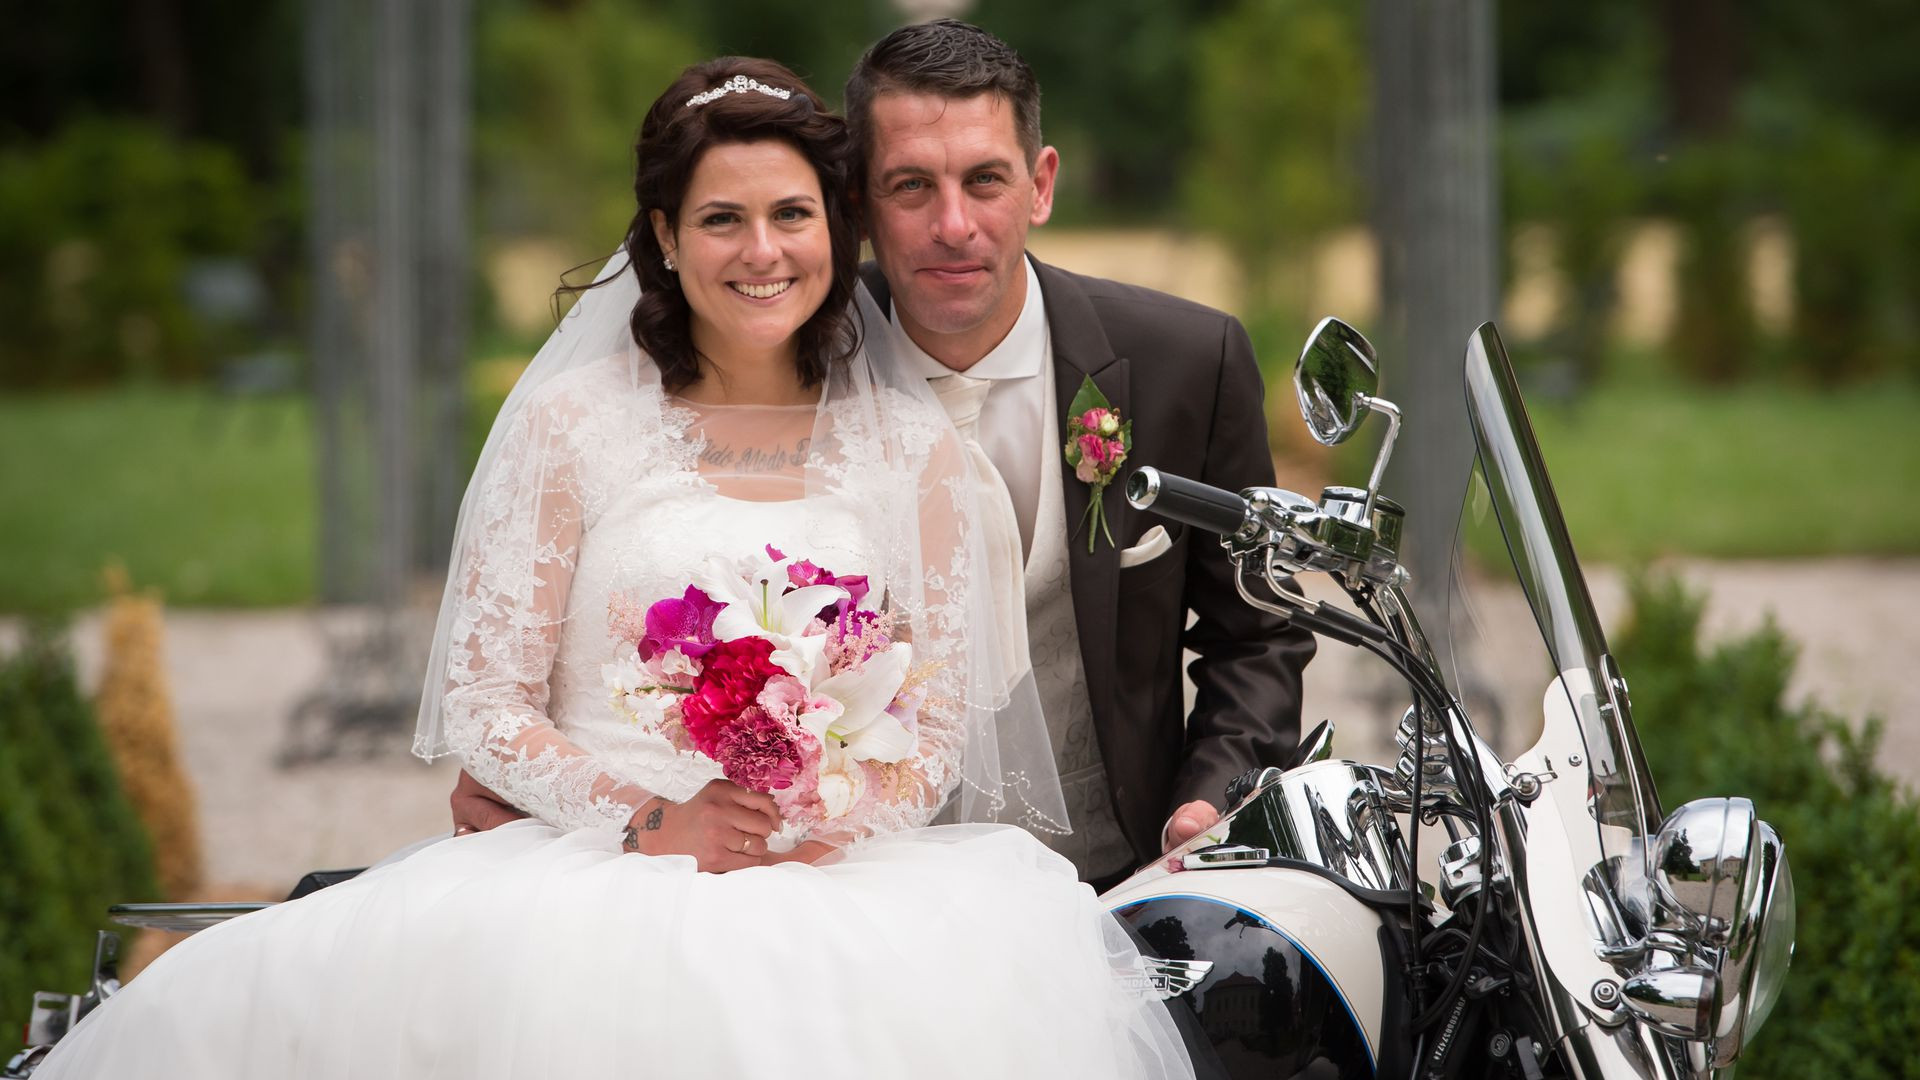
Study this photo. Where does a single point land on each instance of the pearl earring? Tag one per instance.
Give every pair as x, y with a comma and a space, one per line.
667, 261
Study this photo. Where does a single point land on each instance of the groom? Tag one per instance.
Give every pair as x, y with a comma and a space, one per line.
947, 119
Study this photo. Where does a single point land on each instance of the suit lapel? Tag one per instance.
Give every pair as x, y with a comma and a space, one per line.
1081, 349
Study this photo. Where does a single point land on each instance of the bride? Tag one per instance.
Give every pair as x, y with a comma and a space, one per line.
707, 502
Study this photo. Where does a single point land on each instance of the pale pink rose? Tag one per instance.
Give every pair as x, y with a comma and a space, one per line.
1086, 472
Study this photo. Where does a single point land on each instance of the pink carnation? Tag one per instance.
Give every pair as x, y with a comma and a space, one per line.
758, 752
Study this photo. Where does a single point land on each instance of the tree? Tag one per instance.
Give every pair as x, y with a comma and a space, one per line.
1278, 115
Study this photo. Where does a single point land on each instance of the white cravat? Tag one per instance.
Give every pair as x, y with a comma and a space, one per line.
1013, 414
963, 397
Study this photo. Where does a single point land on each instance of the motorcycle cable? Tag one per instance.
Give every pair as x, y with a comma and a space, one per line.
1412, 667
1429, 692
1477, 926
1425, 684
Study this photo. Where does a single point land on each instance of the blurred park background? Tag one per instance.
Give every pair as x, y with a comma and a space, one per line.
267, 269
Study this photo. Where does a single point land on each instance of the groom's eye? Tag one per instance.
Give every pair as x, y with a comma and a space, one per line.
910, 184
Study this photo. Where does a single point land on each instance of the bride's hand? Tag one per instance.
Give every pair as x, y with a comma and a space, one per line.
724, 827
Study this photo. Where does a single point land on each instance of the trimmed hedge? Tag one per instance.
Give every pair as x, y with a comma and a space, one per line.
70, 842
1715, 722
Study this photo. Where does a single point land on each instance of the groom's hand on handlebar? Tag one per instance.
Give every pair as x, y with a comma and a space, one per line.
724, 827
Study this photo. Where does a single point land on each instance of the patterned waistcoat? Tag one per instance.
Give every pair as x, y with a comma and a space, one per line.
1096, 846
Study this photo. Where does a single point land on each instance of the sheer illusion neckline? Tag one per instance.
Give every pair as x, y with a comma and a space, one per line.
675, 401
686, 421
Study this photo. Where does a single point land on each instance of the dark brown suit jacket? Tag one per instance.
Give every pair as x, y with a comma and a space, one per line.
1185, 375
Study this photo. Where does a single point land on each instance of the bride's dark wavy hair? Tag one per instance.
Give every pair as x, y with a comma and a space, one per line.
673, 137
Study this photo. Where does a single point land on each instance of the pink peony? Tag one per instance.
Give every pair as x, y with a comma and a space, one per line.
1092, 419
758, 752
734, 674
685, 624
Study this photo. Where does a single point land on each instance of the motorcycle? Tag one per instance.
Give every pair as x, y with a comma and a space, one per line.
1566, 928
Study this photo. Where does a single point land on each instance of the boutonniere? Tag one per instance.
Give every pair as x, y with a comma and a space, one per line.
1097, 443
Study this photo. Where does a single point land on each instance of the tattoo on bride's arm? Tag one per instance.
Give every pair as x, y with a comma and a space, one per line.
630, 837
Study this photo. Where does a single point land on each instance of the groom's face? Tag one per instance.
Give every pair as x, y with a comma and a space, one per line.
950, 196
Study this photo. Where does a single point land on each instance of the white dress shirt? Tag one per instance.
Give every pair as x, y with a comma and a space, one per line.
1012, 415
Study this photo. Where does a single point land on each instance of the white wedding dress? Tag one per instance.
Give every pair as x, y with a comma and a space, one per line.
540, 949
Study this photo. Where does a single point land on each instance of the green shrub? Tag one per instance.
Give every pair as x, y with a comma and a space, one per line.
70, 842
1570, 167
1278, 125
1840, 182
1706, 188
97, 229
1714, 722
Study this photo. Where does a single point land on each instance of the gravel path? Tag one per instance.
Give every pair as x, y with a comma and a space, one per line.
237, 676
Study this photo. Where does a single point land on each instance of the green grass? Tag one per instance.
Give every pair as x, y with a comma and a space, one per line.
212, 499
1646, 467
1761, 470
207, 498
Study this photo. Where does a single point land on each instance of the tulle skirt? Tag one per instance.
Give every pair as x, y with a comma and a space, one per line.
957, 951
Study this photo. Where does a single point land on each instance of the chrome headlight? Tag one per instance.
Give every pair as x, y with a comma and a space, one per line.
1722, 874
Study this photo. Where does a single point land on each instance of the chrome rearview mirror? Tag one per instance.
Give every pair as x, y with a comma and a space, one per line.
1334, 378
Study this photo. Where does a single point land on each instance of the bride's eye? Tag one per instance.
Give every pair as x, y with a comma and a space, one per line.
790, 214
719, 218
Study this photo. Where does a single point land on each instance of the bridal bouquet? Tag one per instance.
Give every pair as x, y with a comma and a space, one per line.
776, 672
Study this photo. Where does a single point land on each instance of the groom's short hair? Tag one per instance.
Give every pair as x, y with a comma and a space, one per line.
949, 59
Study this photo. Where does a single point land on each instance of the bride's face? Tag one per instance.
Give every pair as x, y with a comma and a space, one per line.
754, 256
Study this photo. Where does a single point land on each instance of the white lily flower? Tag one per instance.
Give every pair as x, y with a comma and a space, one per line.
756, 606
864, 730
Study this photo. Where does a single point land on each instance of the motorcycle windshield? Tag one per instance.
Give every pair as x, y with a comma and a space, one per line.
1618, 791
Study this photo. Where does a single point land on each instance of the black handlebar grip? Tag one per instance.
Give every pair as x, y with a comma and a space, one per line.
1200, 505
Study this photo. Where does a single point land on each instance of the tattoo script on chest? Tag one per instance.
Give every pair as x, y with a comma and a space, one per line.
756, 459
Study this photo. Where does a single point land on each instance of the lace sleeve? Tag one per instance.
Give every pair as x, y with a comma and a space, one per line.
515, 577
941, 597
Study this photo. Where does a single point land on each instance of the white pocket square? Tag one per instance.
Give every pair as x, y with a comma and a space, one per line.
1151, 546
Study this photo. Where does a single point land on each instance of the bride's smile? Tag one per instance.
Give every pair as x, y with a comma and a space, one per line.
752, 250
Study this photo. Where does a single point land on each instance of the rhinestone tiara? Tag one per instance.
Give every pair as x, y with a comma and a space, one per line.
739, 84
